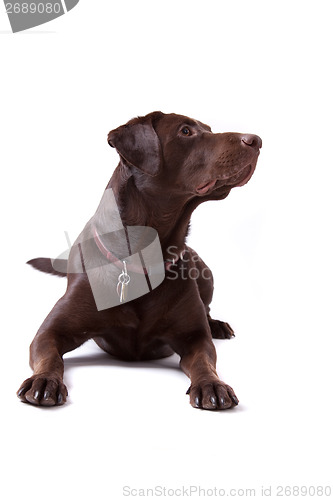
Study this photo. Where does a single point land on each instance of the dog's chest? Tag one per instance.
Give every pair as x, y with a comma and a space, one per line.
141, 328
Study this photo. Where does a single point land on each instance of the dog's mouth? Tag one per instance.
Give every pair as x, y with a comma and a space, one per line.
204, 188
237, 180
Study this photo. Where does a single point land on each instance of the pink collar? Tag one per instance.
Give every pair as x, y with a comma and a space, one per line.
119, 263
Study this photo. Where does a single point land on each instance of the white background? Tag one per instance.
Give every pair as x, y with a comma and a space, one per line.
259, 67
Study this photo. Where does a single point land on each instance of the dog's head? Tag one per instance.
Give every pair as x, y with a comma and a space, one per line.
182, 155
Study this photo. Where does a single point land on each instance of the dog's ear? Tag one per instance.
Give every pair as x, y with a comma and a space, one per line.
138, 144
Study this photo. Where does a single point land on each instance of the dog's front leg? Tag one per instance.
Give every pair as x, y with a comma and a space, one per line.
60, 333
198, 361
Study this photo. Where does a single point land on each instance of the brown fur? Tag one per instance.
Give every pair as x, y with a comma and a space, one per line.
169, 164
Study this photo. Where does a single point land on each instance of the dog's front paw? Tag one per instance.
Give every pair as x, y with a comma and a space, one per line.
43, 390
220, 329
212, 396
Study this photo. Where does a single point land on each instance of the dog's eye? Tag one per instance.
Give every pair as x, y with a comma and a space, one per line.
186, 131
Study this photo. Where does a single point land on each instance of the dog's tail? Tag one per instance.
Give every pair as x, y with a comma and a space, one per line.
44, 264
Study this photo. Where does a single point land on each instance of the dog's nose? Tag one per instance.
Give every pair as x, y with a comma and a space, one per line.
253, 141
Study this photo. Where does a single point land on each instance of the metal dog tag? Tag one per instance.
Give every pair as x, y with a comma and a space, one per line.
123, 282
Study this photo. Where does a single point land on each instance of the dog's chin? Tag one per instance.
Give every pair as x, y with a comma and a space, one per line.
242, 177
238, 180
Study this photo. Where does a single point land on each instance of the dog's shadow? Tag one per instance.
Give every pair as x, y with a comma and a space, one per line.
105, 360
101, 358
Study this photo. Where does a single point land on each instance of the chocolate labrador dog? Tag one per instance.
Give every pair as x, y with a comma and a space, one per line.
169, 164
